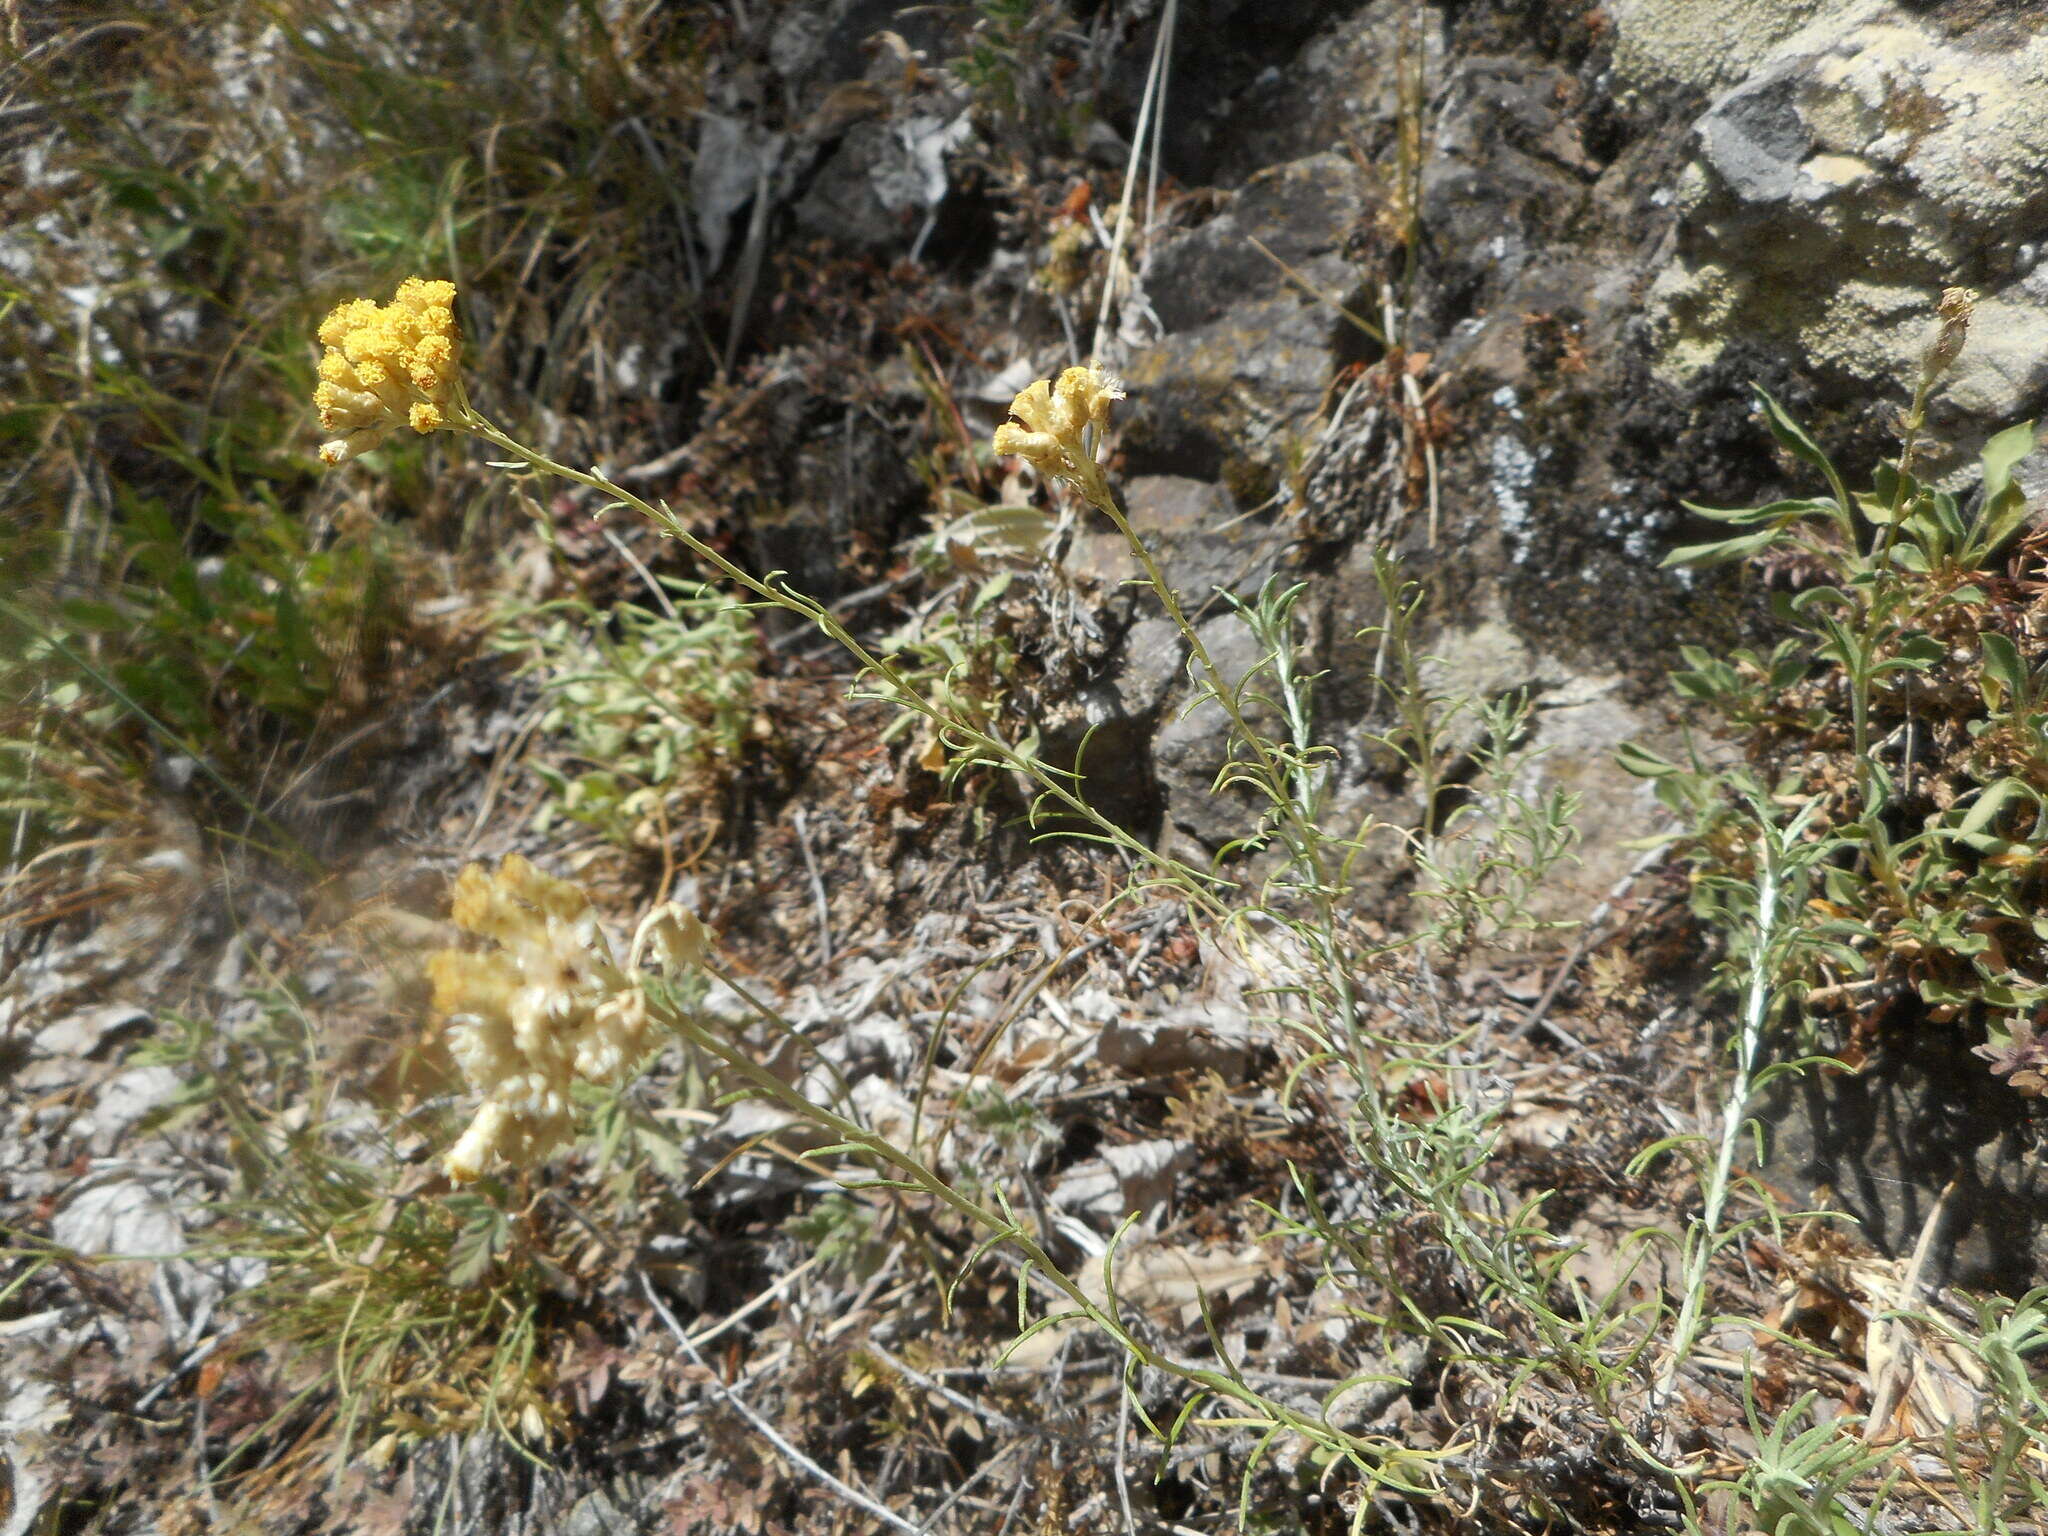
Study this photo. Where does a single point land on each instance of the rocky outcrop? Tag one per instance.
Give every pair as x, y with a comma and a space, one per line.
1627, 215
1855, 166
1607, 223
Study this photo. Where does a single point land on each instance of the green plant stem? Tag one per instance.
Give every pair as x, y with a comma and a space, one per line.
1704, 1241
1201, 886
1909, 441
1297, 809
1270, 624
1383, 1461
1884, 597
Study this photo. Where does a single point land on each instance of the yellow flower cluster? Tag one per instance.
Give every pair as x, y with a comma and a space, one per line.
547, 1005
387, 365
1050, 422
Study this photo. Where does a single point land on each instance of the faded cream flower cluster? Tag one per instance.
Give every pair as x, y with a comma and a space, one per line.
388, 365
1050, 423
547, 1005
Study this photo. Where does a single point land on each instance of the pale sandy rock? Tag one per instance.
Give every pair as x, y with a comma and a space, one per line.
1661, 44
91, 1030
1136, 1177
127, 1098
1860, 160
124, 1216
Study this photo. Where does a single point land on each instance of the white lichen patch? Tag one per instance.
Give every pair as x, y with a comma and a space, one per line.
1511, 473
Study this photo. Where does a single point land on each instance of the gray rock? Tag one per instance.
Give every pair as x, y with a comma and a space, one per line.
1194, 532
1755, 140
89, 1032
129, 1217
1151, 666
735, 164
1195, 1036
596, 1514
842, 204
1239, 376
1196, 742
1884, 1142
1090, 729
32, 1414
1106, 724
1506, 164
1666, 45
1866, 161
1579, 720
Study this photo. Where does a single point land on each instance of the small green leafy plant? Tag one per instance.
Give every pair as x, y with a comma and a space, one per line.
655, 709
1906, 705
1008, 66
960, 654
2001, 1460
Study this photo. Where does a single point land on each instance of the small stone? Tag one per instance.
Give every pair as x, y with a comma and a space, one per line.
126, 1099
125, 1217
1137, 1177
1192, 1037
89, 1032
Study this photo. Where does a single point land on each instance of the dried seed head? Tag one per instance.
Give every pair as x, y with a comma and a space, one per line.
546, 1005
1952, 329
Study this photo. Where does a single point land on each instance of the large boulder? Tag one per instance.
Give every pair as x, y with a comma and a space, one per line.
1853, 166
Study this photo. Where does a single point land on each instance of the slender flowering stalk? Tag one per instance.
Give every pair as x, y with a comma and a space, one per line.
1055, 427
1951, 330
366, 416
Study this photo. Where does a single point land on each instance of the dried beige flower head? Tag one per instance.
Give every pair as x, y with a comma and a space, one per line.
388, 365
548, 1004
1051, 422
1952, 329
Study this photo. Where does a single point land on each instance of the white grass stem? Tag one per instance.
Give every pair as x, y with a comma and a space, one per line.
1706, 1241
1155, 94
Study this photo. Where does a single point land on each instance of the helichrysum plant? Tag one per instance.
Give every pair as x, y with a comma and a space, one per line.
549, 1003
389, 365
544, 1005
395, 366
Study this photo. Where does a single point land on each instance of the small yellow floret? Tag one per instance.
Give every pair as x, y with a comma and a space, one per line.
345, 318
389, 365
